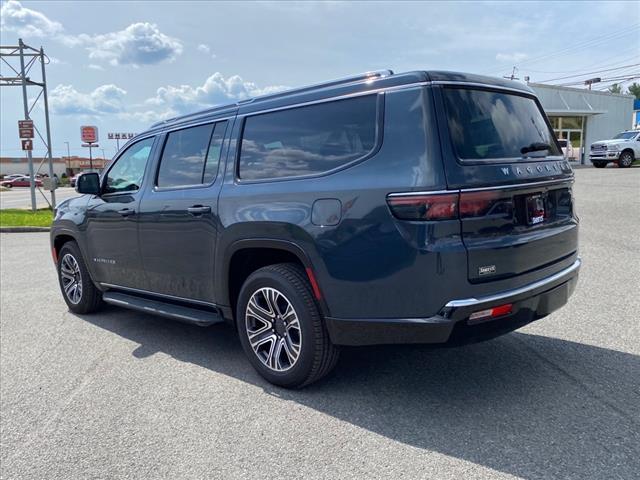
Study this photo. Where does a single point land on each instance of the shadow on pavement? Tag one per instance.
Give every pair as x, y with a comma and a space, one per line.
527, 405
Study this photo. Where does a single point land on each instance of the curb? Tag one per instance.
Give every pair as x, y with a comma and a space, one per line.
23, 229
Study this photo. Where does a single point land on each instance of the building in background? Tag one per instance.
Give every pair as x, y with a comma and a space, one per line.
584, 116
67, 165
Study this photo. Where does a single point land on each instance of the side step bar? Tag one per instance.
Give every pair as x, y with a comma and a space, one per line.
194, 316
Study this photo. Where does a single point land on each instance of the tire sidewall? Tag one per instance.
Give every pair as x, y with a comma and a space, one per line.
73, 249
627, 156
299, 300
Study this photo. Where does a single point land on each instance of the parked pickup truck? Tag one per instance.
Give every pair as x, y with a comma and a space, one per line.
623, 149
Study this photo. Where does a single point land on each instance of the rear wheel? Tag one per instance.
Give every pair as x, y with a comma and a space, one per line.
281, 327
625, 160
599, 164
78, 291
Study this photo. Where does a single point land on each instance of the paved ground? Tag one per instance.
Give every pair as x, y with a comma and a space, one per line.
124, 395
20, 197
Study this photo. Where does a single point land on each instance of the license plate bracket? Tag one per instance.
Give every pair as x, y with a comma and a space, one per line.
536, 211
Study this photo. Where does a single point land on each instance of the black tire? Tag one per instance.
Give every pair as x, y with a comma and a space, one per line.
90, 298
316, 354
625, 160
599, 164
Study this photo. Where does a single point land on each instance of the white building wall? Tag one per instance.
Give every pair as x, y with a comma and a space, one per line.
606, 114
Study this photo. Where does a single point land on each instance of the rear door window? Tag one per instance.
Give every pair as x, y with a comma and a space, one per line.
308, 140
495, 125
191, 156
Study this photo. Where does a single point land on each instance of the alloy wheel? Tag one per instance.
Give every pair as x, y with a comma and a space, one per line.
71, 278
273, 329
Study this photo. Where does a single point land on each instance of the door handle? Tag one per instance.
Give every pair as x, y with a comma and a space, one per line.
125, 212
199, 209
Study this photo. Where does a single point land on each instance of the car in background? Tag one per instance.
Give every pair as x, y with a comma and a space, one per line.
12, 176
622, 149
567, 149
21, 181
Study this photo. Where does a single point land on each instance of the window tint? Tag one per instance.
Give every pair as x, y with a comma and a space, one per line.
126, 174
487, 125
213, 155
183, 156
308, 140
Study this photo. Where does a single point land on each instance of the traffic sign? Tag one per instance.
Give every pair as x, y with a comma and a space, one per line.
27, 144
25, 123
26, 132
89, 133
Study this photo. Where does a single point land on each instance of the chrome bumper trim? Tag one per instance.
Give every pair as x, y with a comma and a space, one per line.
469, 302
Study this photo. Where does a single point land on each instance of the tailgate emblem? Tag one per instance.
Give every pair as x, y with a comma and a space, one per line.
487, 270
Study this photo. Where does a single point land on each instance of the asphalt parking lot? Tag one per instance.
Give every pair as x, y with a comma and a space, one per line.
123, 395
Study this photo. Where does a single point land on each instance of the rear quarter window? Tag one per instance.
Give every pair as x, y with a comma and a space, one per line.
308, 140
495, 125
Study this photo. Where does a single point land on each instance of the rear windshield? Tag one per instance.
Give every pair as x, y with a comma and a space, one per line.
490, 125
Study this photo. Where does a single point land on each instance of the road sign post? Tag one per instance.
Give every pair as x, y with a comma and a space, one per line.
23, 78
89, 135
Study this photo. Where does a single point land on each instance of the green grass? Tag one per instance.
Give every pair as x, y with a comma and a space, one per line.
14, 217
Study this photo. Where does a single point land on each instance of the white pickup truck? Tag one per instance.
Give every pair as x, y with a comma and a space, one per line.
622, 149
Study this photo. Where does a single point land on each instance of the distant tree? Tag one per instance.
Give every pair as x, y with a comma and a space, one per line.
615, 88
634, 89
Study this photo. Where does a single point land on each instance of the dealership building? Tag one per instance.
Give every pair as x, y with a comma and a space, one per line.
61, 165
585, 116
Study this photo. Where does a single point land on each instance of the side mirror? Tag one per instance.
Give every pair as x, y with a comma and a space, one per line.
88, 183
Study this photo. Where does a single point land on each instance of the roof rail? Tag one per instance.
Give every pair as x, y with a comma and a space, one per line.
331, 83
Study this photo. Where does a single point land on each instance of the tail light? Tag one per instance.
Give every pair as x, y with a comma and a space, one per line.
476, 204
407, 206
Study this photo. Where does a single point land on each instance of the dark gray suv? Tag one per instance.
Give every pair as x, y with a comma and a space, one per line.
424, 207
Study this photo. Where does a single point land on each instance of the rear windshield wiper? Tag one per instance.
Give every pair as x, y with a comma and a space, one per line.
535, 147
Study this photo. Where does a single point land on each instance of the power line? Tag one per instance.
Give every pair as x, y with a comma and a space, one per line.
580, 45
590, 73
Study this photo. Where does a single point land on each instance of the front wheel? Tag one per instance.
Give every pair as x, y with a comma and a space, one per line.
281, 328
78, 290
625, 160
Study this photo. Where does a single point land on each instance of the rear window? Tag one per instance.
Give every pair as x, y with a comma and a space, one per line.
490, 125
308, 140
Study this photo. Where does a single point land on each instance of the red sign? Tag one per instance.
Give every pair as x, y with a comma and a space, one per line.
89, 133
26, 132
27, 144
25, 123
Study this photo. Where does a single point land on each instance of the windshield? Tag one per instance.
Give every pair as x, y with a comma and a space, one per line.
490, 125
625, 136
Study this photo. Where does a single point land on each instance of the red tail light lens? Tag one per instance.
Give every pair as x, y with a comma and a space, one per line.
442, 206
490, 313
476, 204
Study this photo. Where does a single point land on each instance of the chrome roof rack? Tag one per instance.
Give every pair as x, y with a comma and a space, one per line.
331, 83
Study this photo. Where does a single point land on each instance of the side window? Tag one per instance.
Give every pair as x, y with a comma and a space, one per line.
126, 173
183, 157
215, 150
308, 140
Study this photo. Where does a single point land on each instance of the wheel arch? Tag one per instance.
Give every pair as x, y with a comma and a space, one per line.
243, 257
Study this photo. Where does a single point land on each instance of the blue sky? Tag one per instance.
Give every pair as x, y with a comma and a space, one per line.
124, 65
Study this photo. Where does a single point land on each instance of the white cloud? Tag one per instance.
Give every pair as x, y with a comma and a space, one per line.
511, 57
66, 100
27, 22
216, 90
204, 48
94, 66
139, 44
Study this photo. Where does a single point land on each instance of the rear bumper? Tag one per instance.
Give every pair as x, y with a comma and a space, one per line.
450, 325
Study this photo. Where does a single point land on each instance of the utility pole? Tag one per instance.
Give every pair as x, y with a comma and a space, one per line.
46, 120
28, 57
513, 74
32, 180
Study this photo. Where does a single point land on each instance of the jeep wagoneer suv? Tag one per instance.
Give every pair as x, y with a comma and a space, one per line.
424, 207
